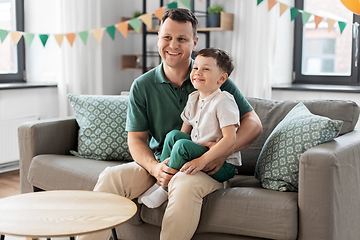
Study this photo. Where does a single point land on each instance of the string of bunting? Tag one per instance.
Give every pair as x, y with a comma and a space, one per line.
146, 18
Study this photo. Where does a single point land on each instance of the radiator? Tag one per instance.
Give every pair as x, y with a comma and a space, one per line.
9, 149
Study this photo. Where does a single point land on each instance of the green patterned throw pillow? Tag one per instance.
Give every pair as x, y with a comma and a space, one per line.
277, 167
102, 121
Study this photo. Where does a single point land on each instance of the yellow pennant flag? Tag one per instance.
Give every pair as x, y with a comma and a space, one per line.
147, 19
71, 38
271, 4
159, 12
98, 34
123, 28
59, 38
283, 8
331, 23
317, 20
16, 36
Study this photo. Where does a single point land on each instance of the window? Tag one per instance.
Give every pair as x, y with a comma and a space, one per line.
322, 56
12, 60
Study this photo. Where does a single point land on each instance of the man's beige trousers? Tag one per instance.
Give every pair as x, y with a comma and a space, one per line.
186, 193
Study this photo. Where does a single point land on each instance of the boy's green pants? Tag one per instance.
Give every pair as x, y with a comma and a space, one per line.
179, 147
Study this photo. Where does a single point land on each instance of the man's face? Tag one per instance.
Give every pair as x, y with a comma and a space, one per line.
176, 43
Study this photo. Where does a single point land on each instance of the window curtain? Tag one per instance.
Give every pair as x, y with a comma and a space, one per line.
262, 47
80, 66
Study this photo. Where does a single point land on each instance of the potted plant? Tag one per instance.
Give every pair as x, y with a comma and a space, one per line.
213, 16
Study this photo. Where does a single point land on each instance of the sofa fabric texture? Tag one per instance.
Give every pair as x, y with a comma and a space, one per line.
323, 207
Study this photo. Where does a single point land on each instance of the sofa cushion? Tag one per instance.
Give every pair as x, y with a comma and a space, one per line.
102, 121
244, 209
271, 112
278, 165
66, 172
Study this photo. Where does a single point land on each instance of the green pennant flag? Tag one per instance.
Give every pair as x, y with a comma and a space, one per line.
28, 38
172, 5
186, 3
342, 25
305, 17
84, 36
3, 34
293, 13
259, 1
135, 24
111, 31
43, 38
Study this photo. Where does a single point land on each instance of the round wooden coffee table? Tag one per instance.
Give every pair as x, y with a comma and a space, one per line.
62, 213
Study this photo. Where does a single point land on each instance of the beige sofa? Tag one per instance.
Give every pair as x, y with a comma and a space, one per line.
326, 207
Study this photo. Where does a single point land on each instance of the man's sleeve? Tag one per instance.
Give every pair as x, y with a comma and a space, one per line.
137, 120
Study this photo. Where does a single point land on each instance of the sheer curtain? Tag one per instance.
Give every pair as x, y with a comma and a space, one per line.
80, 66
262, 47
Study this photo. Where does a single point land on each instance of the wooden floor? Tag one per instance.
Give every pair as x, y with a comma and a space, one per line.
9, 184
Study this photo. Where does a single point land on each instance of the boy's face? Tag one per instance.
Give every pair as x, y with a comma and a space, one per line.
176, 43
206, 75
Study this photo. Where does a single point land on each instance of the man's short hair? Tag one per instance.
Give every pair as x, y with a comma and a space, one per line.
223, 59
181, 15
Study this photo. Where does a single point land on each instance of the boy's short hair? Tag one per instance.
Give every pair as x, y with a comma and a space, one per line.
181, 15
223, 59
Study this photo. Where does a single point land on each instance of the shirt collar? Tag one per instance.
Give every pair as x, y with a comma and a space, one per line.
160, 75
211, 96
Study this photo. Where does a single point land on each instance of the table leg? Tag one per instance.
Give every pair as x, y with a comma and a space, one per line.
114, 234
2, 237
72, 238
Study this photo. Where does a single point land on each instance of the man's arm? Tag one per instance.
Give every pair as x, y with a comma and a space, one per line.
250, 128
142, 155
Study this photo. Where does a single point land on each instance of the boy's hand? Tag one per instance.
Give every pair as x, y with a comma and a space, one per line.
193, 166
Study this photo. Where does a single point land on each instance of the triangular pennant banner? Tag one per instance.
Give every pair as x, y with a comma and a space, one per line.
317, 20
3, 34
123, 28
59, 38
342, 25
29, 38
111, 31
159, 12
135, 24
43, 38
172, 5
259, 1
305, 17
84, 36
271, 4
98, 34
283, 8
71, 38
147, 19
293, 13
186, 3
16, 36
331, 23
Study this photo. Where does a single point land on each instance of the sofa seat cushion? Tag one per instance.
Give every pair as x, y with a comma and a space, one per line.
66, 172
244, 209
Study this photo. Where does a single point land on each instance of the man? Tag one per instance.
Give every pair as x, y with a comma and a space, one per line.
157, 99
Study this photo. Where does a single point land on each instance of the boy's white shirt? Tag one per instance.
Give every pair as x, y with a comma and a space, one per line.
207, 116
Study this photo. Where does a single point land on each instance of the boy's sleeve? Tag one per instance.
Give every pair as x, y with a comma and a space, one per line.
227, 111
243, 105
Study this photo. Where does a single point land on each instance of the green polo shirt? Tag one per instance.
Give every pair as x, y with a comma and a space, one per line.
155, 104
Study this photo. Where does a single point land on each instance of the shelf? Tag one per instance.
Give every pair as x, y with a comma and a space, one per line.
129, 62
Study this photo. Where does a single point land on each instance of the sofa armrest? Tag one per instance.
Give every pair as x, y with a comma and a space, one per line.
329, 190
50, 136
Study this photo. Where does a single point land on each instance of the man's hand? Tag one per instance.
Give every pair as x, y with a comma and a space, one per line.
163, 173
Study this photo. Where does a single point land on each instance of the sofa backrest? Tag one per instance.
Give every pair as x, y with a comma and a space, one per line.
271, 112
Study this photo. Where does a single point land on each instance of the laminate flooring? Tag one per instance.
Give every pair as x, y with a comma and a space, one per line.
9, 184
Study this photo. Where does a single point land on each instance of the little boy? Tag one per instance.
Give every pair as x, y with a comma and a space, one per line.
210, 115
